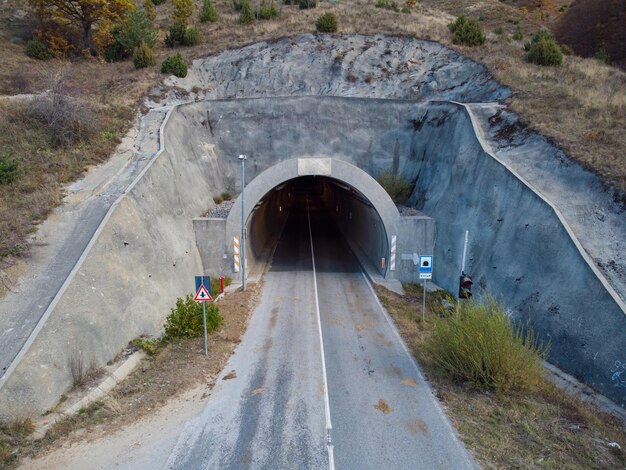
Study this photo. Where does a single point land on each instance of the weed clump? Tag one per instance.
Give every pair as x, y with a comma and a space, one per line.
396, 186
326, 23
543, 49
181, 35
208, 12
483, 347
245, 16
13, 437
143, 56
175, 64
267, 12
307, 4
185, 321
467, 31
387, 4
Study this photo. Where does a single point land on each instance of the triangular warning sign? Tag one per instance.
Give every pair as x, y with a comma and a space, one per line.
203, 295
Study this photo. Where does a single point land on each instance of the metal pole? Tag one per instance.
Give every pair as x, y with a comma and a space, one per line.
458, 300
243, 224
204, 320
424, 301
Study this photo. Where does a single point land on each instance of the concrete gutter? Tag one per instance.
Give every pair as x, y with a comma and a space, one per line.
102, 390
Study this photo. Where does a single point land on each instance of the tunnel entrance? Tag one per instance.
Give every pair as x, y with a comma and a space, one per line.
342, 222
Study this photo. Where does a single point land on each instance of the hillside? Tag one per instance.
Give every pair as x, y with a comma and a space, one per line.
580, 105
591, 27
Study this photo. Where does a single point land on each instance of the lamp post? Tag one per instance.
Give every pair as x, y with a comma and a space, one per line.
243, 159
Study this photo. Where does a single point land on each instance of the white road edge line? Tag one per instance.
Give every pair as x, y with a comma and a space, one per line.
469, 462
329, 427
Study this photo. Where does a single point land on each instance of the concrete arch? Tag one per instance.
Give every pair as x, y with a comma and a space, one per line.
332, 168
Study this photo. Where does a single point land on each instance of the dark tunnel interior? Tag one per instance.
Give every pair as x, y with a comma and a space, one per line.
342, 221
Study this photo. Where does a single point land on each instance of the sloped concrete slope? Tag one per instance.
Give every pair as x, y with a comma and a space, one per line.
142, 258
520, 250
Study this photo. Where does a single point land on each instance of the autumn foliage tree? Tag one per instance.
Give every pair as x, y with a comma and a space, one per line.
80, 18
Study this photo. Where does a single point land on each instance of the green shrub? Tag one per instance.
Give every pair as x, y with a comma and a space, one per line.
143, 56
217, 199
246, 16
136, 29
326, 23
176, 65
467, 31
405, 10
483, 347
387, 4
538, 36
127, 37
396, 186
517, 35
307, 4
185, 321
9, 168
192, 36
566, 50
37, 50
603, 56
208, 12
176, 34
238, 4
499, 31
115, 52
543, 50
226, 196
266, 12
158, 2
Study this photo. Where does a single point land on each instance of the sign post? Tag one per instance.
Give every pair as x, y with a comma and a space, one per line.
203, 295
426, 272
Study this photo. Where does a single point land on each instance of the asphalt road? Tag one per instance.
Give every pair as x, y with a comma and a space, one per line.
285, 399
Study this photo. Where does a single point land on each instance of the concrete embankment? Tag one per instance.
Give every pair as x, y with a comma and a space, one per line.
145, 253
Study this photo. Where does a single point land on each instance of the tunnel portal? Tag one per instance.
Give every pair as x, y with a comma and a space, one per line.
341, 209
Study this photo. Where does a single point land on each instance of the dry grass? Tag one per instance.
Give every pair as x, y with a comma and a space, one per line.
542, 428
46, 165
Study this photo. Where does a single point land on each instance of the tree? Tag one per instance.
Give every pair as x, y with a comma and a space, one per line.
83, 15
183, 9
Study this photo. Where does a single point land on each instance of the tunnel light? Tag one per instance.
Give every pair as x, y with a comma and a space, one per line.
280, 208
337, 208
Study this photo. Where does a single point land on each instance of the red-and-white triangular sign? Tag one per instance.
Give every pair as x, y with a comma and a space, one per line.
203, 295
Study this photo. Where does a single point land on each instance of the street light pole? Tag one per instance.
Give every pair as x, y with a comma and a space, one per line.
243, 159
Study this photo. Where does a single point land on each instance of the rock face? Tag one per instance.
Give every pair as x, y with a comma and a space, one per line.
361, 66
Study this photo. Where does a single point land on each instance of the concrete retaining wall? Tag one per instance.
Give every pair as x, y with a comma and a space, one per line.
145, 255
